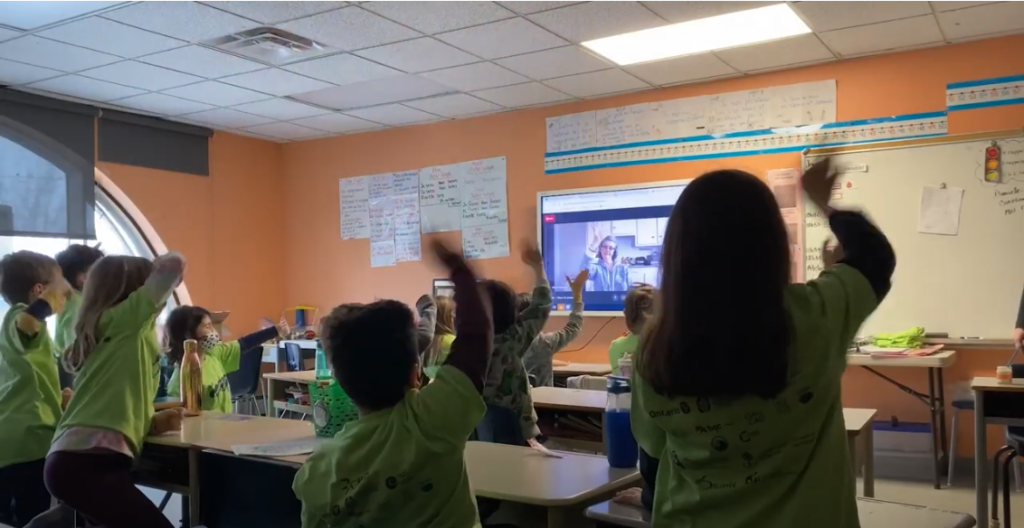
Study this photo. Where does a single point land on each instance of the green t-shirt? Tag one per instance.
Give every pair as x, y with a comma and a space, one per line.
403, 466
446, 347
29, 392
620, 347
218, 362
116, 386
65, 334
779, 463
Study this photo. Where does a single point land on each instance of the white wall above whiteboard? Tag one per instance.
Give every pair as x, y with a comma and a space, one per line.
965, 284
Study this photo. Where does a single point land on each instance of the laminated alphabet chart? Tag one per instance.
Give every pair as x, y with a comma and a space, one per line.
393, 209
703, 116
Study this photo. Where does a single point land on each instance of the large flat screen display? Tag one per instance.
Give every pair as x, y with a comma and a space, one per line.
615, 232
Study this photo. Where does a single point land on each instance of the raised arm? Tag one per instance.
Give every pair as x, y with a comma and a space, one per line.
168, 269
533, 318
30, 321
551, 342
474, 331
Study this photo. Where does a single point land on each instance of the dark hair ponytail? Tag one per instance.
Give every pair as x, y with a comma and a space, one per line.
181, 325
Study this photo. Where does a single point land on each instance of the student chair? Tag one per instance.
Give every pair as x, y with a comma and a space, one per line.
245, 381
1005, 456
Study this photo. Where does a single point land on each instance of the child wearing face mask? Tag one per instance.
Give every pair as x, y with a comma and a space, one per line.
219, 358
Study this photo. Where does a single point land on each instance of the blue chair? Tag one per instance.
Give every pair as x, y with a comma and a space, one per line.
245, 381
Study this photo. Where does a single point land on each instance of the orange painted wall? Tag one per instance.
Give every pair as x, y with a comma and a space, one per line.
324, 270
229, 225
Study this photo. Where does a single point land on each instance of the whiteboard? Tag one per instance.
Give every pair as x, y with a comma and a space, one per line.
965, 285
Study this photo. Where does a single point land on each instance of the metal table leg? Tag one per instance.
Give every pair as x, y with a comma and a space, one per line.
944, 434
933, 415
980, 460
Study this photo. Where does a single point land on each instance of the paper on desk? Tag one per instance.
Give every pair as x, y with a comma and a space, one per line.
536, 446
940, 210
281, 449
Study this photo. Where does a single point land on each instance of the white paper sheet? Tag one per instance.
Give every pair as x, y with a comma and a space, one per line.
382, 219
484, 242
940, 211
571, 132
282, 449
381, 186
382, 254
440, 199
407, 226
484, 198
406, 182
355, 210
809, 103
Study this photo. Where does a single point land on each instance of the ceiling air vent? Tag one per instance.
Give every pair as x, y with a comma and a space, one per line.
270, 45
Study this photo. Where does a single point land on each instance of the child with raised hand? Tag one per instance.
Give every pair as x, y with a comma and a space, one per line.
507, 384
540, 356
30, 394
220, 358
117, 360
74, 262
402, 462
736, 349
637, 308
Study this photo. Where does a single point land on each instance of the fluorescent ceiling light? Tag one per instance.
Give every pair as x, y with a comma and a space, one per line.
706, 34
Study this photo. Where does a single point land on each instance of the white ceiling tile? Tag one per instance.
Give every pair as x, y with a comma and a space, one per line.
886, 36
681, 69
285, 131
502, 39
594, 20
216, 93
6, 34
951, 6
414, 56
85, 88
228, 118
104, 35
454, 105
189, 21
350, 28
31, 15
475, 76
343, 69
795, 50
275, 12
337, 123
162, 104
597, 83
827, 16
676, 12
204, 62
557, 62
50, 54
436, 17
276, 82
522, 95
281, 109
17, 73
393, 114
1003, 17
525, 8
372, 93
139, 75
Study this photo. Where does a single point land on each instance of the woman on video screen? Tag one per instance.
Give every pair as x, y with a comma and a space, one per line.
606, 272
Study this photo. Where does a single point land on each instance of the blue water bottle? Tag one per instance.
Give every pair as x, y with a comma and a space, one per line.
323, 372
618, 435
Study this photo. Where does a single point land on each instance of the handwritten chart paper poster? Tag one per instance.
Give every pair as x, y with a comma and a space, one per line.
355, 208
803, 104
484, 242
484, 209
572, 132
440, 199
407, 226
382, 254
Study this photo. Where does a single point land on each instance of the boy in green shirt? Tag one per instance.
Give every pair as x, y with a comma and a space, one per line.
30, 395
401, 464
737, 381
219, 358
74, 262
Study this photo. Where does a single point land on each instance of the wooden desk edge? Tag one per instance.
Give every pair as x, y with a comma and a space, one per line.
580, 499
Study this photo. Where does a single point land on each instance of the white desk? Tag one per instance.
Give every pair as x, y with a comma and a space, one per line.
581, 369
872, 513
994, 403
935, 399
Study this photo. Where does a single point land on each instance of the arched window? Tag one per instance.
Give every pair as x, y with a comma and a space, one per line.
115, 232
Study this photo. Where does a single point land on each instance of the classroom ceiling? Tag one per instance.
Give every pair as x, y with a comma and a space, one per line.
392, 64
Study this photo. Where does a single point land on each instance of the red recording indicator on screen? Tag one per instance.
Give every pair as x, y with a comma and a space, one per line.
993, 170
549, 219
